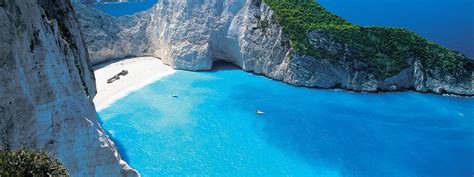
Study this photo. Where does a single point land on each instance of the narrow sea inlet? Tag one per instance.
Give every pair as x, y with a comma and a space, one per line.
205, 123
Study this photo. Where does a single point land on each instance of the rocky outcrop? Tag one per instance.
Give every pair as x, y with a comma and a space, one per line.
192, 35
108, 37
46, 89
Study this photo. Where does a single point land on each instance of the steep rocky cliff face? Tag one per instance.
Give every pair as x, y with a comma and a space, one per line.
192, 35
108, 37
47, 85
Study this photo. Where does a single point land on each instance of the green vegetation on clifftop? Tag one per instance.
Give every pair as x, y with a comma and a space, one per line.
29, 163
386, 49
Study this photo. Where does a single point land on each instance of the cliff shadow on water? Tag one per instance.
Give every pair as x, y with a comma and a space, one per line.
118, 145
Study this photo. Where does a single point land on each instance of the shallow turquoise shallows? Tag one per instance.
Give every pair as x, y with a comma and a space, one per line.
211, 128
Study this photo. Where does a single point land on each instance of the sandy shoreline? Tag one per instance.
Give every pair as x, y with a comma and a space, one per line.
141, 72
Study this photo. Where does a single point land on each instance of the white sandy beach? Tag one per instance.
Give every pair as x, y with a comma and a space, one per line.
141, 72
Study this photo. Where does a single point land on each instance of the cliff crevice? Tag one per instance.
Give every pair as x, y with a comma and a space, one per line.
47, 86
316, 49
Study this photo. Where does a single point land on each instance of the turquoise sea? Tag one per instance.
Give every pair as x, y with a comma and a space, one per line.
211, 128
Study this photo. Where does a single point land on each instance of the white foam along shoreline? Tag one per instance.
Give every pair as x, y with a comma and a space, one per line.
142, 71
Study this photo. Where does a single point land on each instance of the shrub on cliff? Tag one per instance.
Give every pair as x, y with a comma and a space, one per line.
386, 49
29, 163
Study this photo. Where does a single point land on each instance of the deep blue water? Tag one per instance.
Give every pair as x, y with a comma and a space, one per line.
211, 128
446, 22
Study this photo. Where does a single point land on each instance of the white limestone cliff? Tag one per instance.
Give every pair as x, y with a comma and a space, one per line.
192, 35
46, 89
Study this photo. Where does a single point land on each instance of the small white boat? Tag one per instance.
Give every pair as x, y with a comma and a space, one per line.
260, 112
175, 96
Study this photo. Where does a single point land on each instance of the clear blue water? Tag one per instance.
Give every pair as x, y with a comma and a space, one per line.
212, 129
446, 22
120, 9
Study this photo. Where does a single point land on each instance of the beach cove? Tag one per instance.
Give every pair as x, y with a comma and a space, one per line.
142, 71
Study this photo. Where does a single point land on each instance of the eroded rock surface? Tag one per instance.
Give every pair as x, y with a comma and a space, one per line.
47, 85
192, 35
